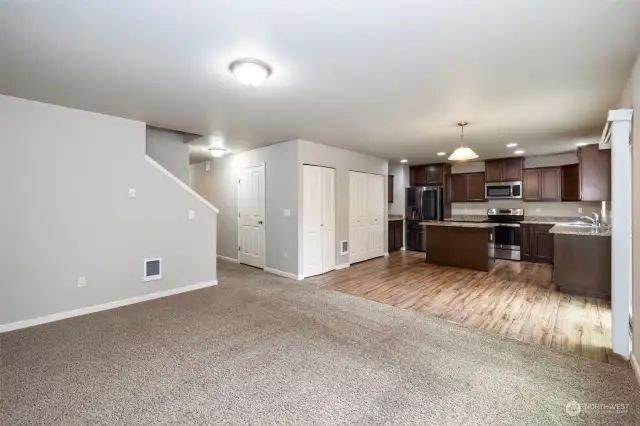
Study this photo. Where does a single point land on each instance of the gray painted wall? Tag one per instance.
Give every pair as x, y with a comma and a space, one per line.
66, 213
168, 149
219, 185
398, 206
343, 161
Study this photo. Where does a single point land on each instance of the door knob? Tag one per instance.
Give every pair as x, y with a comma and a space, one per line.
259, 222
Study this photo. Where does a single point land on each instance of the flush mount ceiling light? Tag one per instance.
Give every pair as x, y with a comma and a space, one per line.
404, 160
440, 154
250, 72
518, 151
463, 153
217, 151
511, 145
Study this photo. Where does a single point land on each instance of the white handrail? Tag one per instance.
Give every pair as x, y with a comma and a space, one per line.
181, 183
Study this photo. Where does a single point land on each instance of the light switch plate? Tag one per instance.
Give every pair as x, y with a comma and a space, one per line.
82, 281
207, 167
192, 214
286, 212
132, 193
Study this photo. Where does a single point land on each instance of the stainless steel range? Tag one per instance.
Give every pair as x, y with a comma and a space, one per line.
508, 236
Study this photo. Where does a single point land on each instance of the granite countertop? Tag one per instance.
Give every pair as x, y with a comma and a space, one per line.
465, 218
547, 220
576, 230
457, 224
393, 217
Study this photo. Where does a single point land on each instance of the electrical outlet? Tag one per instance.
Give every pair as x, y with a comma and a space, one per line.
132, 193
207, 167
82, 281
192, 214
538, 210
580, 210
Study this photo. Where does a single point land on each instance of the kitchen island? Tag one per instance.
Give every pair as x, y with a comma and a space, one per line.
460, 244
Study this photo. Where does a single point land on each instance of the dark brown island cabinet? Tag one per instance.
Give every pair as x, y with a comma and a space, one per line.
536, 243
466, 187
395, 236
504, 169
460, 246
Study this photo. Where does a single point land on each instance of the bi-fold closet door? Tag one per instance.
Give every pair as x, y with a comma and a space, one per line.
318, 220
366, 216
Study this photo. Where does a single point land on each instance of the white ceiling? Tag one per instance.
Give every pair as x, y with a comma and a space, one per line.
385, 77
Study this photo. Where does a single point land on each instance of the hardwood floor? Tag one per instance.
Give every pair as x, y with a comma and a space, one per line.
515, 299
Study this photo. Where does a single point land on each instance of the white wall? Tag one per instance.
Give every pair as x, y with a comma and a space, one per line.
66, 213
343, 161
631, 99
531, 208
219, 185
168, 149
397, 170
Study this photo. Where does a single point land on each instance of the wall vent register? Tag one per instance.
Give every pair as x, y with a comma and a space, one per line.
152, 269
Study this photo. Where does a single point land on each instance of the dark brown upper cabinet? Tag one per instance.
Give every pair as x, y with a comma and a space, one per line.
595, 173
504, 170
542, 184
417, 176
390, 189
431, 174
458, 188
475, 187
466, 187
571, 182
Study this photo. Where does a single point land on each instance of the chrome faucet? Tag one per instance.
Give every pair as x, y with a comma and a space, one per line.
595, 221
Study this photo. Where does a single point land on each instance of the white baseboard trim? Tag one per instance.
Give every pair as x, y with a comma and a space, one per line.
284, 274
403, 248
386, 255
635, 367
228, 259
103, 307
343, 266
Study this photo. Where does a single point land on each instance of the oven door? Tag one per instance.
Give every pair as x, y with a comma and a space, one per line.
507, 241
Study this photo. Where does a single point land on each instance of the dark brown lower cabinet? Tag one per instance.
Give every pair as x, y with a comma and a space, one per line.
536, 243
395, 235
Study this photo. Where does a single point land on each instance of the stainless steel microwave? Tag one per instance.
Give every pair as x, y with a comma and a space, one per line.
502, 190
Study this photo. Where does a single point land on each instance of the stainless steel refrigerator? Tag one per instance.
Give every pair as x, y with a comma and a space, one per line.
423, 203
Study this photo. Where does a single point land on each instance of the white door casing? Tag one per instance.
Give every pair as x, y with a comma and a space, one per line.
319, 242
251, 228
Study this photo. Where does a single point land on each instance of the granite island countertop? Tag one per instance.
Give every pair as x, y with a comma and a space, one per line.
457, 224
392, 217
576, 230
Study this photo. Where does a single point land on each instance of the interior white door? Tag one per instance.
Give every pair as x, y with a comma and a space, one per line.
328, 195
312, 250
357, 217
318, 219
251, 191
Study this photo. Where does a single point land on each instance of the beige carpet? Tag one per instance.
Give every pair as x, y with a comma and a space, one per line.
260, 349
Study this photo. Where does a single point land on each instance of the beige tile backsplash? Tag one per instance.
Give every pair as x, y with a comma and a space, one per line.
531, 208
